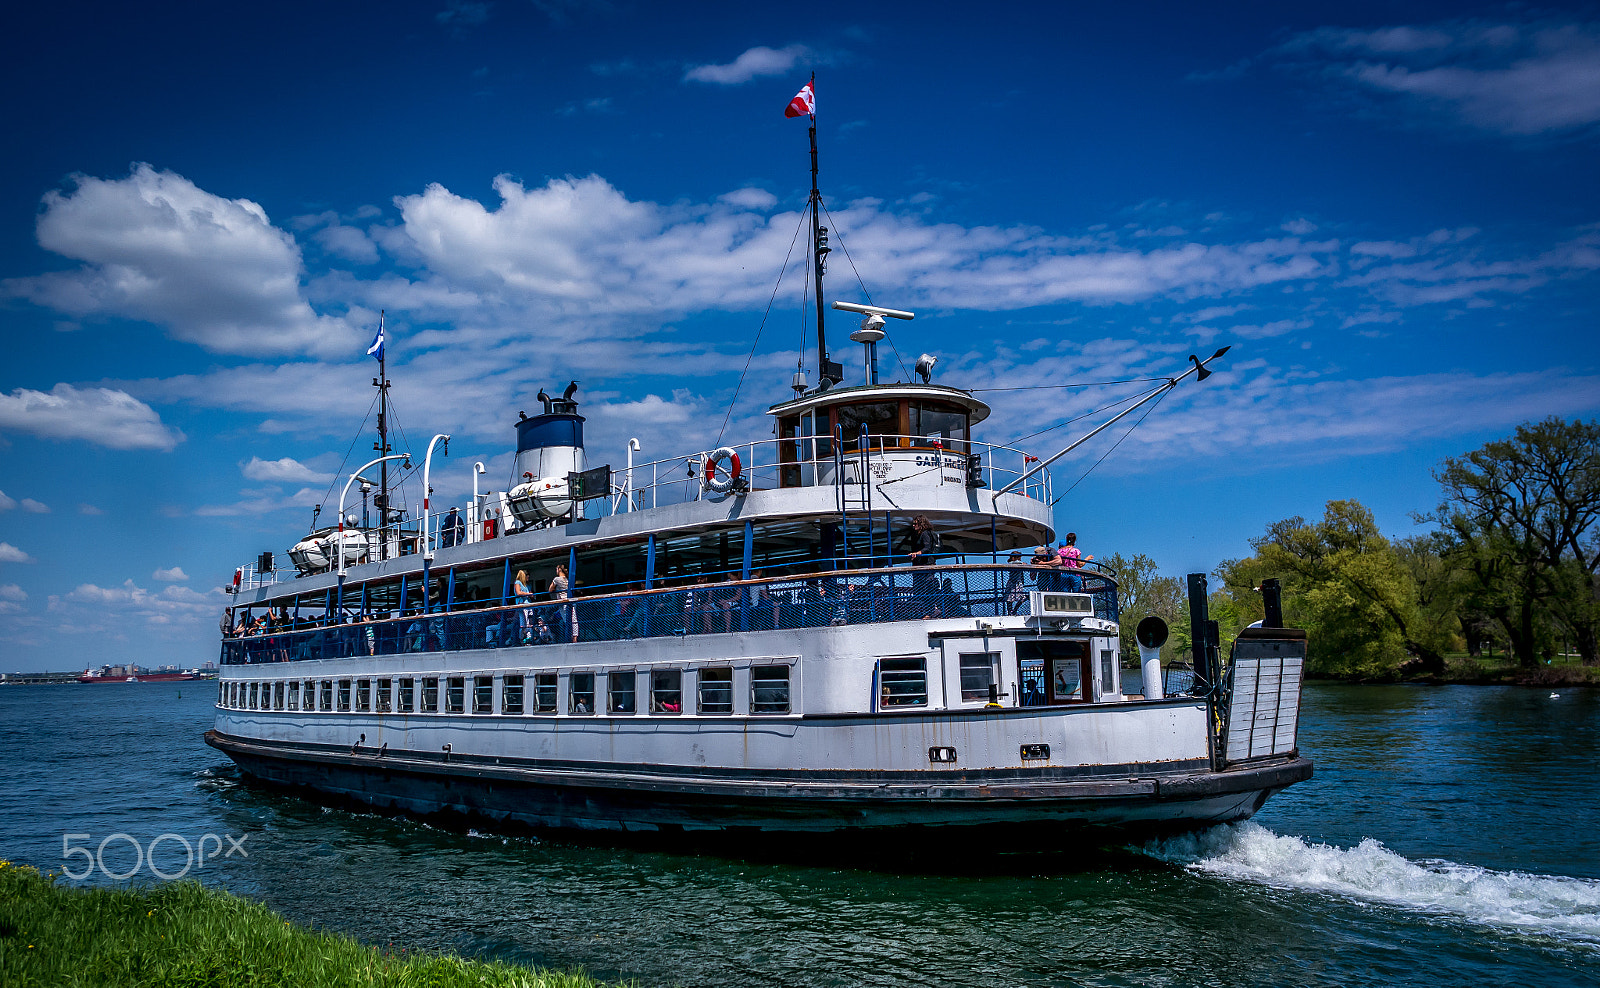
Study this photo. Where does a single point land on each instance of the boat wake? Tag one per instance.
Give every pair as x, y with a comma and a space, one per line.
1566, 908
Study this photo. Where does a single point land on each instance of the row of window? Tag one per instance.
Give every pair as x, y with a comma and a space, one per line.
538, 693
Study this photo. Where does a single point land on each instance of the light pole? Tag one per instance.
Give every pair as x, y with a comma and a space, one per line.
427, 463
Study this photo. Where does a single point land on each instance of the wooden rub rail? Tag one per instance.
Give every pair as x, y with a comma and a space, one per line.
855, 597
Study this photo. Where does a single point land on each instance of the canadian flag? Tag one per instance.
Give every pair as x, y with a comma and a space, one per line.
805, 101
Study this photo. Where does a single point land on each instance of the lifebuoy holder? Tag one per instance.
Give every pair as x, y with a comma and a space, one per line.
722, 483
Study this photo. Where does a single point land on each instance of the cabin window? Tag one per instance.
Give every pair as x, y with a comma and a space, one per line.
232, 696
455, 695
483, 694
277, 695
666, 691
979, 671
344, 694
1108, 671
581, 700
880, 418
903, 682
716, 691
620, 691
544, 693
789, 451
932, 422
408, 690
363, 695
819, 431
294, 695
430, 695
327, 694
769, 690
511, 695
254, 691
308, 696
384, 692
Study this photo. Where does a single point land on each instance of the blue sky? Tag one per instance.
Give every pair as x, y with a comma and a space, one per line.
1389, 210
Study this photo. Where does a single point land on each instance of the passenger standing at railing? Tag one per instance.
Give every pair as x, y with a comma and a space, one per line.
1045, 558
1014, 593
560, 591
451, 530
924, 546
523, 595
1072, 560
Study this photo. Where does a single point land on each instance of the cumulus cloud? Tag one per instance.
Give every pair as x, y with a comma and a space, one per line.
11, 554
35, 507
173, 575
7, 503
1517, 79
10, 591
102, 416
287, 470
158, 248
751, 64
109, 612
89, 509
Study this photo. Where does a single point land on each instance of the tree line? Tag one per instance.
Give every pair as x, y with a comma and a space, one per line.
1510, 561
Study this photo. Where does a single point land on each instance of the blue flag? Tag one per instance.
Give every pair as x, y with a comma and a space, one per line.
376, 349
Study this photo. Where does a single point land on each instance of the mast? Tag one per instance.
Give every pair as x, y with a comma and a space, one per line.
381, 382
820, 249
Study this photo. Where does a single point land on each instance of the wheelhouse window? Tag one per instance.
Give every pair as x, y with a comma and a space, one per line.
385, 691
620, 692
716, 691
902, 682
979, 671
666, 691
407, 694
881, 419
430, 695
943, 424
363, 695
544, 693
769, 689
511, 695
344, 694
455, 695
581, 693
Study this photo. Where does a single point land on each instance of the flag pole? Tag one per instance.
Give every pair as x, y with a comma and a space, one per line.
382, 384
819, 246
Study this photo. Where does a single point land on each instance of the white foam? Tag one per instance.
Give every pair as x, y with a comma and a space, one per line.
1568, 908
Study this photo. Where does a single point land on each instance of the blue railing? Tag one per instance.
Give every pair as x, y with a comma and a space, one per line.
851, 597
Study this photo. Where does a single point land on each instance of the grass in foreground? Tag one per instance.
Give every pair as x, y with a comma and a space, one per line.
184, 935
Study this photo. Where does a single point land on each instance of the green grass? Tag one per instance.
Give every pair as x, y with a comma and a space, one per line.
1565, 670
183, 935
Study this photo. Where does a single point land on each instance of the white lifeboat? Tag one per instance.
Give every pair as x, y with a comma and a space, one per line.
316, 553
538, 499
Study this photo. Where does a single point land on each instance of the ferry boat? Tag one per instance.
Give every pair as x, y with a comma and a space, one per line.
823, 631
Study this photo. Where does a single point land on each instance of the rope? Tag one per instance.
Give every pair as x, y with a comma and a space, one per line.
786, 258
863, 285
1113, 449
1084, 384
1077, 418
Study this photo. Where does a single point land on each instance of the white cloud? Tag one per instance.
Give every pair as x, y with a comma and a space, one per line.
753, 63
284, 471
7, 503
89, 509
108, 612
102, 416
158, 248
11, 554
10, 591
35, 507
173, 575
1514, 79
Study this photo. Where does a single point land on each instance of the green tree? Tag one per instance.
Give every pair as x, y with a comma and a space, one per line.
1141, 592
1518, 521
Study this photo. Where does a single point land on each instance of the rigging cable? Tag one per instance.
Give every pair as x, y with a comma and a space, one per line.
342, 463
1108, 452
1082, 384
781, 271
840, 236
1077, 418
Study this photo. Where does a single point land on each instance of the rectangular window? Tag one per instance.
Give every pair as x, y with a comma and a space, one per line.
769, 689
902, 683
255, 689
294, 695
308, 697
430, 695
544, 693
327, 694
483, 694
979, 671
222, 694
408, 695
666, 691
233, 694
716, 691
1108, 670
511, 695
581, 688
619, 687
277, 696
344, 695
455, 695
363, 695
384, 691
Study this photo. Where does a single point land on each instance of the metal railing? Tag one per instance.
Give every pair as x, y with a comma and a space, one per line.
845, 597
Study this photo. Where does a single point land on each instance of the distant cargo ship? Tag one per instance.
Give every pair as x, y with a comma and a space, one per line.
117, 674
